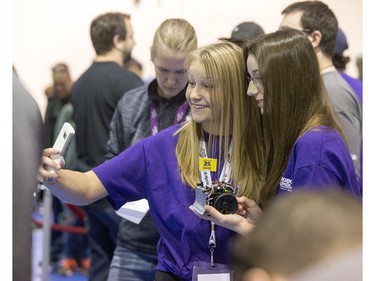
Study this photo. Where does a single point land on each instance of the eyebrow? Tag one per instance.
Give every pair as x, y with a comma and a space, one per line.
164, 68
254, 72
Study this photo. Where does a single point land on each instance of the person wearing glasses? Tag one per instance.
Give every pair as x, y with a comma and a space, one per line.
303, 144
320, 25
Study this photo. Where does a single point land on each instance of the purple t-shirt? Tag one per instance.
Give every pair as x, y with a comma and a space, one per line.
320, 159
354, 83
149, 169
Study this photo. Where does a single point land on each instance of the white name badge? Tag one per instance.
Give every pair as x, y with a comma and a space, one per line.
204, 271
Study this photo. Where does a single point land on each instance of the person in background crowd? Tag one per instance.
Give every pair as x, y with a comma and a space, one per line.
340, 61
95, 95
245, 31
27, 125
58, 96
140, 113
320, 25
74, 255
49, 92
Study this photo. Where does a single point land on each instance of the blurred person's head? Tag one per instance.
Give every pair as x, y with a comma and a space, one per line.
62, 82
112, 31
316, 20
339, 59
244, 31
297, 231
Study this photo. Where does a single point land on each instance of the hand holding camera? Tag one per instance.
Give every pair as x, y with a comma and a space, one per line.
220, 195
242, 221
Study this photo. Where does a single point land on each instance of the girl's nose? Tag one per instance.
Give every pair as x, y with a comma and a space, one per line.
252, 91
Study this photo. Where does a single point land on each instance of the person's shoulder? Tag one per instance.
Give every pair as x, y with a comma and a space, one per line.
353, 82
127, 74
318, 136
335, 83
339, 91
350, 78
23, 100
167, 134
171, 130
138, 92
134, 97
126, 79
162, 142
87, 72
324, 144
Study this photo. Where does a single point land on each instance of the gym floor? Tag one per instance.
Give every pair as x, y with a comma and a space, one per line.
37, 255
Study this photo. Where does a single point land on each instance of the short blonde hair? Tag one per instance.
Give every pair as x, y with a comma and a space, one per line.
176, 35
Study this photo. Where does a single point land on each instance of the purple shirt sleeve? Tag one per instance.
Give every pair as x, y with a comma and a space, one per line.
320, 159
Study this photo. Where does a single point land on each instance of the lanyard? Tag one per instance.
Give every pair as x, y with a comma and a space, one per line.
207, 182
181, 112
212, 243
225, 172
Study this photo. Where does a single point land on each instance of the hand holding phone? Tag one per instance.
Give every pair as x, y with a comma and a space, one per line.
62, 142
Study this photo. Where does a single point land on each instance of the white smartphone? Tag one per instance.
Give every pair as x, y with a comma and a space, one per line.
63, 141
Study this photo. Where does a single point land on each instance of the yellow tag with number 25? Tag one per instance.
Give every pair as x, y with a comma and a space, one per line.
207, 164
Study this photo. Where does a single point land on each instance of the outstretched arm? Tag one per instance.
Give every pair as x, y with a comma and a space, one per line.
242, 222
72, 187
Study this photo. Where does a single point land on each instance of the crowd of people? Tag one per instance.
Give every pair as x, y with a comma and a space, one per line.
223, 116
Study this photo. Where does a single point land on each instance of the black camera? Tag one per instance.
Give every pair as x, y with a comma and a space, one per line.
220, 195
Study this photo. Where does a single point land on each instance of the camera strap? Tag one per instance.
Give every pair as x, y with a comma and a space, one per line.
207, 181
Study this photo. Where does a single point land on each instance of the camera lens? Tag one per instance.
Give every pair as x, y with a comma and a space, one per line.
226, 204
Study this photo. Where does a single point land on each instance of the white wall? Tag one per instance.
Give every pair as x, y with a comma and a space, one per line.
49, 31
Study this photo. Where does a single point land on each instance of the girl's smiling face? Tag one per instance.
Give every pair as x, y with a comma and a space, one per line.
198, 94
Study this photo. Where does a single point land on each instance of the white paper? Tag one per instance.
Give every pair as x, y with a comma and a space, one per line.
215, 276
134, 211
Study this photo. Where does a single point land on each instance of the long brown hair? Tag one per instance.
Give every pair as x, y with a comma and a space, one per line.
295, 99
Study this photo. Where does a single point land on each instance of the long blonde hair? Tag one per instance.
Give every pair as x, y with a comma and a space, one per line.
223, 61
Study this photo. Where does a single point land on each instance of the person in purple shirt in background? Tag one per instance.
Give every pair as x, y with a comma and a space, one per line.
304, 147
340, 61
